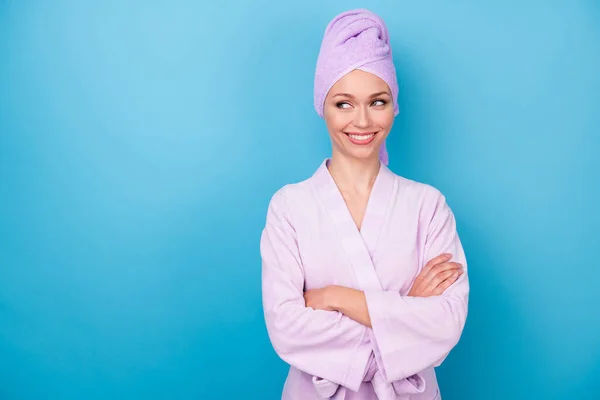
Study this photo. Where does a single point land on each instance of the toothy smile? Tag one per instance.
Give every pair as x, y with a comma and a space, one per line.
361, 138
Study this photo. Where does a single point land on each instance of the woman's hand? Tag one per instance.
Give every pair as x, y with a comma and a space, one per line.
320, 299
437, 276
350, 302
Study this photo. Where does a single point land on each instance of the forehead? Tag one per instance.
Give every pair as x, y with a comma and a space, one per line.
359, 83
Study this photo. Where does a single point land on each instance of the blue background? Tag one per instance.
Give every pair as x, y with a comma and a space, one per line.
141, 141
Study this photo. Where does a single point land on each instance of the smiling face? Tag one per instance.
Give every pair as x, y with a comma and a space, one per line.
359, 113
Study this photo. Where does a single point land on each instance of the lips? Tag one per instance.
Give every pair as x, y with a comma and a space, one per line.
362, 138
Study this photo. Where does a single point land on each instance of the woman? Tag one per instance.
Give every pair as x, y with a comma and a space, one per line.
364, 283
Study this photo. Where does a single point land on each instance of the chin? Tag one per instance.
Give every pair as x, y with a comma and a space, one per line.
367, 157
364, 154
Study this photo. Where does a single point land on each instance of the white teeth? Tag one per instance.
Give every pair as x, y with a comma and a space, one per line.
362, 137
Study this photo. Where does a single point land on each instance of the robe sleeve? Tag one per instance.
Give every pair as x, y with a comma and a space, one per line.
325, 344
415, 333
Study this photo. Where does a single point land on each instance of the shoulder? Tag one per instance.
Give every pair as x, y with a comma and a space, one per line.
286, 204
299, 193
424, 192
290, 195
425, 199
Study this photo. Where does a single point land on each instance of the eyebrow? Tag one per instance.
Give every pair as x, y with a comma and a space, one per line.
351, 97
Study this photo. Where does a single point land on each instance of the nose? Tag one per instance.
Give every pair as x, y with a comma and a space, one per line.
362, 118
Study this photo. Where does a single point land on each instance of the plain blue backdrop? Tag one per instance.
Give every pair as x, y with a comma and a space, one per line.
140, 143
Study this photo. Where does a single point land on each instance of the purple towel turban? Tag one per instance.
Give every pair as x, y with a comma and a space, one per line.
355, 39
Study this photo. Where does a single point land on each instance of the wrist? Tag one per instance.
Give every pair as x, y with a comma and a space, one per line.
334, 295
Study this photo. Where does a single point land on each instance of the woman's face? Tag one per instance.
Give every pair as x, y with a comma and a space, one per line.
359, 114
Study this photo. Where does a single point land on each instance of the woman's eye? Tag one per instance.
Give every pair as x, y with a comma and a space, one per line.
379, 102
342, 105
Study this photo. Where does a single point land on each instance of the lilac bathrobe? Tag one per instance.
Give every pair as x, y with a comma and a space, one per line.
310, 241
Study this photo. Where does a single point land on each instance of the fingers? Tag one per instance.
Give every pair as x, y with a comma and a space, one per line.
440, 277
437, 260
441, 288
440, 274
437, 275
440, 268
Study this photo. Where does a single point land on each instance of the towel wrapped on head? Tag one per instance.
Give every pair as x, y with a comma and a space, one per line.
355, 39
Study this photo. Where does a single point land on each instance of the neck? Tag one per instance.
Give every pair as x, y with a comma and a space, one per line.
352, 174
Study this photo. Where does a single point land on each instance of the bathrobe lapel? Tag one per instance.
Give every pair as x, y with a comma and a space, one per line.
359, 246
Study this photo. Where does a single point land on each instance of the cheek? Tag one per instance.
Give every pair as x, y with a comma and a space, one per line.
384, 120
336, 122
